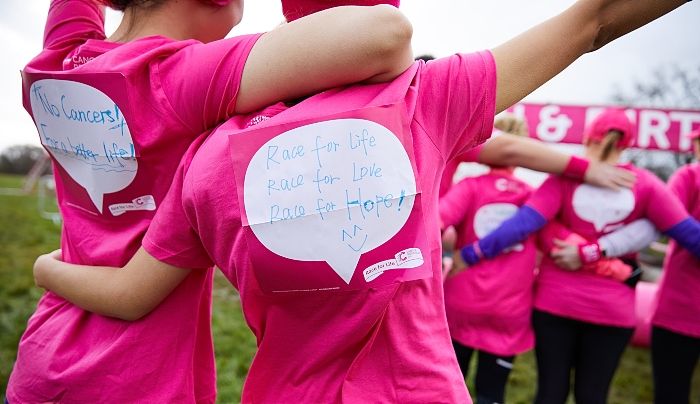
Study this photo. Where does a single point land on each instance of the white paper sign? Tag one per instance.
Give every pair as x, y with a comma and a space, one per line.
346, 185
86, 133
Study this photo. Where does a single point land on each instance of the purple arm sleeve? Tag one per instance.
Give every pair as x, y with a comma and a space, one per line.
687, 234
511, 231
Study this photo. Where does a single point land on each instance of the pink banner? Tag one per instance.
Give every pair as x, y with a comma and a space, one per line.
657, 129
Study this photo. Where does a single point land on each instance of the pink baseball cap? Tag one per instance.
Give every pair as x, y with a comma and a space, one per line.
295, 9
611, 119
693, 134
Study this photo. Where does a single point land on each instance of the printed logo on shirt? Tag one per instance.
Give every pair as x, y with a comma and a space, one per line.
408, 258
602, 207
145, 202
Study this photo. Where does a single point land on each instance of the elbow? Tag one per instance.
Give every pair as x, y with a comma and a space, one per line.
395, 36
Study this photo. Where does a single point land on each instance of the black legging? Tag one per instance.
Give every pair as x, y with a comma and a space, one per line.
491, 373
673, 358
592, 350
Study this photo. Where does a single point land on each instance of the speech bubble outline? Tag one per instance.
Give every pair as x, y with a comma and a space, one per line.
602, 206
86, 133
329, 191
489, 217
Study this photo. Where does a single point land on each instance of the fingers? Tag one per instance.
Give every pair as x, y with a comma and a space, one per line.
559, 243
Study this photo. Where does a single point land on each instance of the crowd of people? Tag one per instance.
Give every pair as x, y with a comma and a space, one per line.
127, 312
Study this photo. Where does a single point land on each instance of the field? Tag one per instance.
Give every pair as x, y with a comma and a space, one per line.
24, 235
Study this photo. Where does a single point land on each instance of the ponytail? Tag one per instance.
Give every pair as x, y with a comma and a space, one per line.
608, 143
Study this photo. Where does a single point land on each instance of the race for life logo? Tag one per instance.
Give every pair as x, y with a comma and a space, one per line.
87, 135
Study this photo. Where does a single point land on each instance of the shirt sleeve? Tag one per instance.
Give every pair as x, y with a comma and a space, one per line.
72, 22
548, 198
678, 185
170, 237
457, 101
662, 207
201, 81
454, 205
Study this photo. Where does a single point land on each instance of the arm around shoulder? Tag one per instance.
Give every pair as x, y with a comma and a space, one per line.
127, 293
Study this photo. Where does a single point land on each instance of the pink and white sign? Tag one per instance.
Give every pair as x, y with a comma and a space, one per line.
657, 129
332, 203
82, 123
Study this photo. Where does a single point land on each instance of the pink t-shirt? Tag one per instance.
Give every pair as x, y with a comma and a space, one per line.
381, 344
470, 156
489, 306
678, 306
593, 212
169, 93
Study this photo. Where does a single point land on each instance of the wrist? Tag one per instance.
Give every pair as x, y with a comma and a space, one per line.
590, 252
471, 254
576, 168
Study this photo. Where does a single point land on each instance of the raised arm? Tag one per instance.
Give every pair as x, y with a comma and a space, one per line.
128, 293
531, 59
331, 48
510, 150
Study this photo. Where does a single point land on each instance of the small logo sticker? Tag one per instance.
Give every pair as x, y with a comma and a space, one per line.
145, 202
408, 258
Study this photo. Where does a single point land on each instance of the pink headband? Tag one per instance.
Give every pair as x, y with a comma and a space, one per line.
611, 119
295, 9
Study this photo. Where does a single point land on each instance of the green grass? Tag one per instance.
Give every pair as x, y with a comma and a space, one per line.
24, 235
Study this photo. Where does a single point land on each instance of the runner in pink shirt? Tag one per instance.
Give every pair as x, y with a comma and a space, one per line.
583, 321
675, 338
117, 114
369, 325
489, 310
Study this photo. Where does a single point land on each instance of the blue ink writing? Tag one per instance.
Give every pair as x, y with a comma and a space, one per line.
403, 194
49, 108
364, 140
285, 184
328, 147
326, 179
88, 115
371, 171
322, 206
354, 234
278, 213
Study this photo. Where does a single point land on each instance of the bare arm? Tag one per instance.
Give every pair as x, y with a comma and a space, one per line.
531, 59
128, 293
331, 48
510, 150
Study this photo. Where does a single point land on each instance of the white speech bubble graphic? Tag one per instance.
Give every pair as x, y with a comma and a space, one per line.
329, 191
489, 217
602, 206
86, 133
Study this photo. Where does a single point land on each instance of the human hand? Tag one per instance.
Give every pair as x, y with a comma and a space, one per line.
458, 264
566, 255
43, 265
608, 176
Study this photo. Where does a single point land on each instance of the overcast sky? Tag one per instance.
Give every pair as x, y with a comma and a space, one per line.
441, 28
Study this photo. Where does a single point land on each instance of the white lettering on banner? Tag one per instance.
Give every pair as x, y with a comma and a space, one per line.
686, 120
654, 124
146, 202
408, 258
553, 126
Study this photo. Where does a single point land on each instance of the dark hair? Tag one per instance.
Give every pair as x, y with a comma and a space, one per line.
122, 5
608, 143
425, 58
